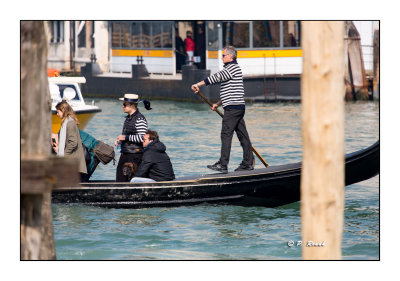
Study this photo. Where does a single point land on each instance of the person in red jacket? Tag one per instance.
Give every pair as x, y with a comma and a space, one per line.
189, 47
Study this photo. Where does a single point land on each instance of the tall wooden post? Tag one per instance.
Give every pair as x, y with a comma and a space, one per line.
40, 172
322, 178
37, 240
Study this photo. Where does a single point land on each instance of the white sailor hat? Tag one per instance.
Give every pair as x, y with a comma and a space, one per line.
133, 98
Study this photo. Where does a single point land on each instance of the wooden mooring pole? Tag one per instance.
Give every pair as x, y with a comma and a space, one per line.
40, 172
322, 178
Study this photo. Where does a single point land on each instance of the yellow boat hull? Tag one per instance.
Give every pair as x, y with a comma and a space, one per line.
83, 119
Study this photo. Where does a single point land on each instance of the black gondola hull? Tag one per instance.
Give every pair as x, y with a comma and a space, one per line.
269, 187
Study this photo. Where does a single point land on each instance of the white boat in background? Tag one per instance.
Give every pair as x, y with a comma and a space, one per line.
67, 88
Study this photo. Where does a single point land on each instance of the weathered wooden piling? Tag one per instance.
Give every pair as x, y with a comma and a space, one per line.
375, 82
322, 178
40, 172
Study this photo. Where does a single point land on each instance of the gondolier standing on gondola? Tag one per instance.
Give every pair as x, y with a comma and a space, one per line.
231, 99
135, 127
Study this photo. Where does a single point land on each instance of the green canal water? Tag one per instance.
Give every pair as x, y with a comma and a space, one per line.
217, 232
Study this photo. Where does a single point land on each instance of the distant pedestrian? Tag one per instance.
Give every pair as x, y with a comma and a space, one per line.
156, 164
134, 129
179, 51
292, 40
200, 48
189, 47
231, 94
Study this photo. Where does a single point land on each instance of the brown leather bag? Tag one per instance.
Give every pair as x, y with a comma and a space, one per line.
104, 152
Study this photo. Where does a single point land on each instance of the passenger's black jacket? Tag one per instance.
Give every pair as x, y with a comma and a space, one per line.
155, 163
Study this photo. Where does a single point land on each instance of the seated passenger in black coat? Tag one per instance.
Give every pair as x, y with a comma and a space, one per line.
155, 165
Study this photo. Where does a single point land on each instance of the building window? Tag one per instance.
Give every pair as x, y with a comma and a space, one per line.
291, 33
166, 36
57, 31
266, 34
92, 35
82, 35
135, 29
156, 35
116, 34
85, 34
125, 35
236, 34
212, 35
146, 35
142, 35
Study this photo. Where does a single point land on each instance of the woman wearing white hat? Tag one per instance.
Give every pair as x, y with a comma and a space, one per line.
135, 127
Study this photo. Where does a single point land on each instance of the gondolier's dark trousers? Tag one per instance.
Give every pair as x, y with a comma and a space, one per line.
233, 122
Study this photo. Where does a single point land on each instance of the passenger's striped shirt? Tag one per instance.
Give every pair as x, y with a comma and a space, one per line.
231, 79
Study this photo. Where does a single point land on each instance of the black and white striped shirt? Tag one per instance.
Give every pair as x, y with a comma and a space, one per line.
135, 127
231, 79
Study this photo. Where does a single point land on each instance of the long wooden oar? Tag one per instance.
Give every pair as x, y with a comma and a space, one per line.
222, 115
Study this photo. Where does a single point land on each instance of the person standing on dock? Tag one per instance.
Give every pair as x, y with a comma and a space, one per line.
135, 127
231, 99
179, 51
189, 47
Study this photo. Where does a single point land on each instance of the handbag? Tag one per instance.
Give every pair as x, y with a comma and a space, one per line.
104, 152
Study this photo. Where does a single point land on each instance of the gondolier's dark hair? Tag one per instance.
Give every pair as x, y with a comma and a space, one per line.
231, 51
152, 134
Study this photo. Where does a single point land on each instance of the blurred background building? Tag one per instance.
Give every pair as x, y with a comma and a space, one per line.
265, 48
